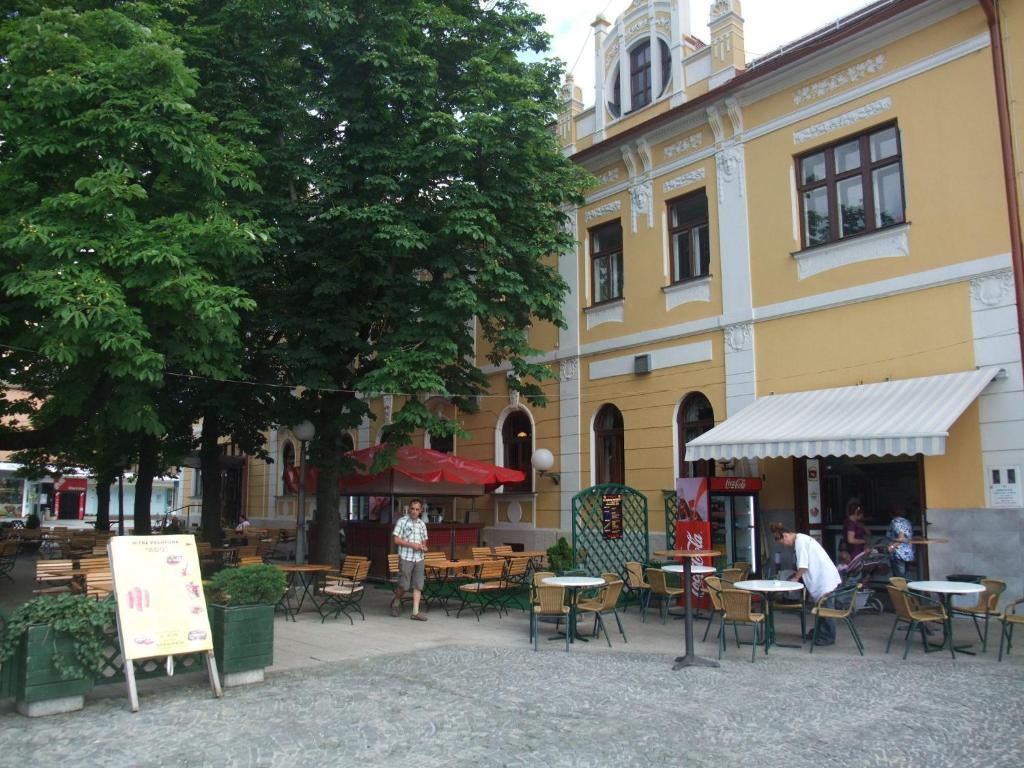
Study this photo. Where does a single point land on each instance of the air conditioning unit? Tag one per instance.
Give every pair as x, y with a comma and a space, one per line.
642, 364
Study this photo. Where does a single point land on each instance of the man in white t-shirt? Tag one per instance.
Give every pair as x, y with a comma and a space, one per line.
817, 571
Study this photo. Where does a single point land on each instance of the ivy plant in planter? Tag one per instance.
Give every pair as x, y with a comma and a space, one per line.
241, 605
52, 649
560, 556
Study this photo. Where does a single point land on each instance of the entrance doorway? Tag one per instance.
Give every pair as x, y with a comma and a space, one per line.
68, 502
879, 483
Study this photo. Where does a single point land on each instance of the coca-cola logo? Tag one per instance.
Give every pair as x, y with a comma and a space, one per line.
694, 540
733, 484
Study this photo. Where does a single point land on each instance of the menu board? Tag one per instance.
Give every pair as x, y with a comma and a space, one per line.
611, 513
161, 608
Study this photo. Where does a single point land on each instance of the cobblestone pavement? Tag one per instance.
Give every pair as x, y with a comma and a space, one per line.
471, 706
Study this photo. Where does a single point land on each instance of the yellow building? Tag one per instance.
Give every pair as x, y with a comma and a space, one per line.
831, 219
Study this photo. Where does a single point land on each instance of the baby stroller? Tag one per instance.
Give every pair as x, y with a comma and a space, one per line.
872, 564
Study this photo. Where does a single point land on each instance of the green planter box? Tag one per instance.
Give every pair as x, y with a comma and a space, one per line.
243, 637
33, 676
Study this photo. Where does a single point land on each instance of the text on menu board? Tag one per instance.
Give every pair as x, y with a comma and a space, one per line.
161, 608
611, 514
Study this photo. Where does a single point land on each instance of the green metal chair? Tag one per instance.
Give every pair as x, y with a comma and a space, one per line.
988, 602
916, 611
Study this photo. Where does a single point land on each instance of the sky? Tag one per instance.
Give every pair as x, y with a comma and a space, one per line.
767, 25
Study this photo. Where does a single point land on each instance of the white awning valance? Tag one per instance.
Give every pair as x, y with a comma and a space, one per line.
891, 418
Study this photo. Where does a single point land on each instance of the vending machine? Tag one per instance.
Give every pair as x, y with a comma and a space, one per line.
734, 518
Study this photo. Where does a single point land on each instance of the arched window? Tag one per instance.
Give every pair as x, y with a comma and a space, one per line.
517, 440
640, 77
609, 446
695, 418
287, 462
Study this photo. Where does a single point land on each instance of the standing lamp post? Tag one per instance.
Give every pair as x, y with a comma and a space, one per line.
121, 461
304, 433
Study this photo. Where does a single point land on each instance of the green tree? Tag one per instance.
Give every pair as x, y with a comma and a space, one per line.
119, 249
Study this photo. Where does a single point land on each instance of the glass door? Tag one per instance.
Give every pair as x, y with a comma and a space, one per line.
742, 530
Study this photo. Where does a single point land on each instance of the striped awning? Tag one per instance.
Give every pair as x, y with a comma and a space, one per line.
892, 418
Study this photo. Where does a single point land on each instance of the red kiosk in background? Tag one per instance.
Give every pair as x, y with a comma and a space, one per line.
718, 513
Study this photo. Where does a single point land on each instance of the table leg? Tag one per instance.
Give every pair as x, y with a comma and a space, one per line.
690, 659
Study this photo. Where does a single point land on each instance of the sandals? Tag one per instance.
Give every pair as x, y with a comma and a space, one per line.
418, 617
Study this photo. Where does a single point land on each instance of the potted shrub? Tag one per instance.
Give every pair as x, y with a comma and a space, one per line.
52, 648
241, 605
560, 556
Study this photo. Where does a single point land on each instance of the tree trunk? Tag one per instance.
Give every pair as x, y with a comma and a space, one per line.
209, 462
326, 526
147, 469
103, 482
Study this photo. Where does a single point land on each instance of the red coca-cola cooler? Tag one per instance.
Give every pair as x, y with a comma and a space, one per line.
720, 513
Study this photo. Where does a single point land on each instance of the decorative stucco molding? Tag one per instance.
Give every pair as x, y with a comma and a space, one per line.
887, 244
611, 174
642, 197
719, 8
839, 80
739, 337
842, 121
729, 163
715, 121
611, 312
596, 213
686, 293
569, 369
992, 290
690, 142
732, 106
685, 180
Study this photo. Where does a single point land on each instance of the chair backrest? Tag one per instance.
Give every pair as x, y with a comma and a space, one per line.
517, 567
393, 566
898, 581
434, 555
635, 575
732, 575
843, 599
743, 567
539, 576
505, 550
550, 599
989, 599
361, 570
900, 600
656, 578
351, 565
90, 564
481, 553
492, 570
736, 604
714, 585
610, 598
250, 560
609, 577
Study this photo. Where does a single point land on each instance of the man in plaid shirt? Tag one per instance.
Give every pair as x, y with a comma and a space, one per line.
410, 536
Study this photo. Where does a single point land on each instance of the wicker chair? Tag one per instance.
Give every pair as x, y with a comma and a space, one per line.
605, 603
988, 602
637, 586
732, 575
1008, 620
743, 567
844, 596
916, 611
736, 610
787, 603
714, 586
548, 601
661, 590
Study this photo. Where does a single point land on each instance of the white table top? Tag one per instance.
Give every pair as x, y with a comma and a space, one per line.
694, 569
767, 585
574, 581
947, 587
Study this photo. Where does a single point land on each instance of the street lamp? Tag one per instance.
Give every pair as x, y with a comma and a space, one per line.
304, 433
543, 460
121, 462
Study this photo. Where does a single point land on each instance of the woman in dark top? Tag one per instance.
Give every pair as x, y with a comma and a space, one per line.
855, 535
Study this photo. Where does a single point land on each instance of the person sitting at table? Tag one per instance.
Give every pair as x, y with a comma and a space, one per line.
243, 523
901, 551
816, 570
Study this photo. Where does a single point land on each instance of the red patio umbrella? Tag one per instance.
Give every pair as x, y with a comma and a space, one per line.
421, 470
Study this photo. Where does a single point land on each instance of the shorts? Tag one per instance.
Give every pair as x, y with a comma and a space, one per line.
411, 573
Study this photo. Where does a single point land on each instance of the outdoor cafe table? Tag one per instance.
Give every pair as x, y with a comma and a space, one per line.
574, 584
946, 589
302, 575
767, 587
690, 659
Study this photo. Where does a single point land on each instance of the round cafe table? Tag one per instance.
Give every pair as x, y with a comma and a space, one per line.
767, 587
574, 584
690, 659
946, 589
